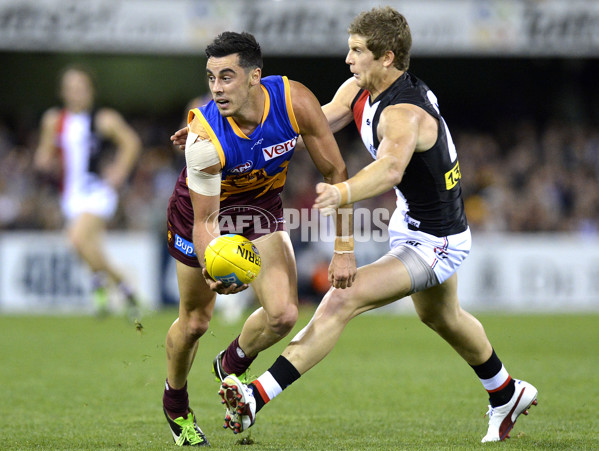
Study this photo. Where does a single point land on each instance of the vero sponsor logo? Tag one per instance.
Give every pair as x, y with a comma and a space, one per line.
278, 149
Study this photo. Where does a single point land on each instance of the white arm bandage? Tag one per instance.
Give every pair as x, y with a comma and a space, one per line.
199, 155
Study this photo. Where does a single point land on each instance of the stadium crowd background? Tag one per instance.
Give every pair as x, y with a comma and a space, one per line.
526, 130
529, 178
529, 151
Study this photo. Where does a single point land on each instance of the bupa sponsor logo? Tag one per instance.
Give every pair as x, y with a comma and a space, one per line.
243, 167
279, 149
184, 246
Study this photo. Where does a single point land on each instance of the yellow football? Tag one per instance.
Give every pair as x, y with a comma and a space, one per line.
233, 259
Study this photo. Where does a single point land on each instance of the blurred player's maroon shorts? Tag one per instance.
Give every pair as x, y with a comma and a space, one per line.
243, 214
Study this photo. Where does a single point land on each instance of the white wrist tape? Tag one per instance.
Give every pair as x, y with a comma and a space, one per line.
343, 201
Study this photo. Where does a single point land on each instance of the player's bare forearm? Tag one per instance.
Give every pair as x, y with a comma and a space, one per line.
201, 238
377, 178
316, 135
205, 221
344, 221
327, 158
343, 269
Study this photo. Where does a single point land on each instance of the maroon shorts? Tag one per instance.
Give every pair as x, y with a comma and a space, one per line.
243, 214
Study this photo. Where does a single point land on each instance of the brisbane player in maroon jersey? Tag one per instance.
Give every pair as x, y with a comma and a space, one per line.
238, 150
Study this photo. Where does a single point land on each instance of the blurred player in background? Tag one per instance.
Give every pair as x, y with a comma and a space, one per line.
237, 152
73, 149
399, 120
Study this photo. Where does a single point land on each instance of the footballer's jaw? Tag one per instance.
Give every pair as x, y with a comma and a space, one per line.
229, 83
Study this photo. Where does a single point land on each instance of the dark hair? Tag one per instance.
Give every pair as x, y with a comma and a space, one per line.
385, 29
244, 44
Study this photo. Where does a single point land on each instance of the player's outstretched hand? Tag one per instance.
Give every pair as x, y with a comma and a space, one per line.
328, 198
179, 138
221, 288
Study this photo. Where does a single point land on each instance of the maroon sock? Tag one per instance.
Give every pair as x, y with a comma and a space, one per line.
175, 401
234, 360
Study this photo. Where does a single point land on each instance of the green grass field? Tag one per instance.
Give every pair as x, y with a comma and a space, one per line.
84, 383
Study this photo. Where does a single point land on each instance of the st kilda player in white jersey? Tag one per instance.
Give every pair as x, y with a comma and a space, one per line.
69, 148
82, 187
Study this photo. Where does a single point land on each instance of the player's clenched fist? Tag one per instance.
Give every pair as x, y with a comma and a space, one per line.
328, 198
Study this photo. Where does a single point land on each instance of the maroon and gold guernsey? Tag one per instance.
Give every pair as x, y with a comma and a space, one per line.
253, 175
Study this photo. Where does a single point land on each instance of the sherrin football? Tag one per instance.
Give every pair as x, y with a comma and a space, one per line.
233, 259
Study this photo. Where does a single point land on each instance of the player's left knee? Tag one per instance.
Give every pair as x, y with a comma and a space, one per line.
196, 327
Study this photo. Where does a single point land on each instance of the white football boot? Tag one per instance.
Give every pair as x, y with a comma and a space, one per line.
502, 418
240, 402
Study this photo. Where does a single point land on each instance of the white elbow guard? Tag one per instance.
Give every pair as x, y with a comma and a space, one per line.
200, 155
